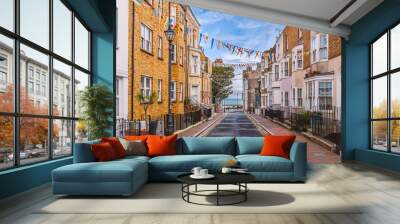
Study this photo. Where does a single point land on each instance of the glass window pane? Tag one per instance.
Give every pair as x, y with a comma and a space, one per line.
379, 135
395, 94
62, 138
81, 45
33, 140
395, 47
81, 131
62, 89
395, 136
6, 74
81, 82
7, 14
379, 56
379, 98
34, 72
6, 142
35, 21
62, 29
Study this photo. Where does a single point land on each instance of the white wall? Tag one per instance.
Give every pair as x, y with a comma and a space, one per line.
122, 57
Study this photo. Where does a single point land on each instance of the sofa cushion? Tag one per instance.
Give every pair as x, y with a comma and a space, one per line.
161, 145
207, 145
257, 163
185, 163
116, 145
83, 152
135, 147
103, 152
275, 145
112, 171
249, 145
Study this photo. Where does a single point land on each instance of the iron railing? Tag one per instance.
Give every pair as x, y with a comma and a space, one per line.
325, 124
158, 125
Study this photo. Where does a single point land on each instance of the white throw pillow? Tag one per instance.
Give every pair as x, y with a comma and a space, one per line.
136, 147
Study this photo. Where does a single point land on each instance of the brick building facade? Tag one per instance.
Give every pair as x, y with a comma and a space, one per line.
149, 57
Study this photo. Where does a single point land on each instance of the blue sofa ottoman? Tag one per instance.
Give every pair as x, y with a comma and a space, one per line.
88, 177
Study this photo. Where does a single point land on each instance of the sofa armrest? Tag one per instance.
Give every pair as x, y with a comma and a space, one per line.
298, 155
83, 152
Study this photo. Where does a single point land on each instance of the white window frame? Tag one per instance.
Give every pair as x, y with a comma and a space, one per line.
160, 47
195, 65
181, 55
323, 48
328, 97
317, 48
314, 53
276, 72
146, 36
159, 90
299, 97
297, 59
181, 91
3, 71
173, 91
146, 85
286, 68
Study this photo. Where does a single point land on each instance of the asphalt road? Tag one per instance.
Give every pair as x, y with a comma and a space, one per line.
235, 124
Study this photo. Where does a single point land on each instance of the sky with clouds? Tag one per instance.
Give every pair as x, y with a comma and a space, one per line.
236, 30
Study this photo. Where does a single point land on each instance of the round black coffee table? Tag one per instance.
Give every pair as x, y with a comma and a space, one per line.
238, 179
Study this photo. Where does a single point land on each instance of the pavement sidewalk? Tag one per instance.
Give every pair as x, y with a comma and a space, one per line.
317, 154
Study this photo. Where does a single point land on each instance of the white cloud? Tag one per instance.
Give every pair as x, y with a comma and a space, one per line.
251, 24
210, 17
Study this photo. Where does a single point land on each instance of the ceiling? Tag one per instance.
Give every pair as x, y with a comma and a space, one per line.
328, 16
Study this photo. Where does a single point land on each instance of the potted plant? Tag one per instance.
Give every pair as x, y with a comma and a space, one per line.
97, 102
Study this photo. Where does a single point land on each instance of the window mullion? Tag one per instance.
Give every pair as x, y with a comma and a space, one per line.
16, 84
73, 81
50, 82
389, 101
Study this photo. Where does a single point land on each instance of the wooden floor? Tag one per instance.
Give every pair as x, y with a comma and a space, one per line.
379, 190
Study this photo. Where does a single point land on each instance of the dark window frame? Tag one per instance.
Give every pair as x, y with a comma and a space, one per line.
16, 114
388, 74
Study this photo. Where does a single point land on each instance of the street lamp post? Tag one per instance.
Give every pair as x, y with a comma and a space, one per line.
170, 34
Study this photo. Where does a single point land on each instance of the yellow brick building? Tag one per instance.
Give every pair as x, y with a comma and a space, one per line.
148, 57
206, 71
179, 65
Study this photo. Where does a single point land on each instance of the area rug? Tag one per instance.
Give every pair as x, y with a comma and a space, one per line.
166, 198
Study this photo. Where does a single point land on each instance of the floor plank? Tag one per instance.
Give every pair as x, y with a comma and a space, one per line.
376, 190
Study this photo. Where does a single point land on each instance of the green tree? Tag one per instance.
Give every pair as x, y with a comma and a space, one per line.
380, 127
221, 83
97, 102
146, 101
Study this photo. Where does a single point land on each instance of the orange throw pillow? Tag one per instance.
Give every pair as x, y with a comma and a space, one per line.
116, 145
161, 145
103, 152
277, 145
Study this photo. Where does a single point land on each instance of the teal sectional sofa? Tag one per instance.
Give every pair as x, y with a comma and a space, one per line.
125, 176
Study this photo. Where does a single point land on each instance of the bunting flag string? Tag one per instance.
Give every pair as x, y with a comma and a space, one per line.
220, 44
240, 65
